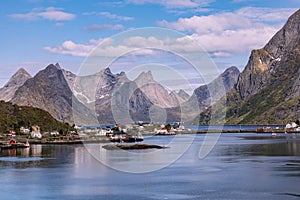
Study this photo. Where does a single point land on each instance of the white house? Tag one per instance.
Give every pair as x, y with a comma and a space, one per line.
35, 133
24, 130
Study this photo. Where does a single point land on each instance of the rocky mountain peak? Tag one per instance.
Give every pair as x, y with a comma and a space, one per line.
16, 81
107, 71
47, 90
233, 70
229, 77
57, 66
22, 71
18, 78
285, 39
212, 92
263, 63
181, 93
52, 68
144, 78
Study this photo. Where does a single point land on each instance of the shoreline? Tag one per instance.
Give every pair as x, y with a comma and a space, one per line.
106, 140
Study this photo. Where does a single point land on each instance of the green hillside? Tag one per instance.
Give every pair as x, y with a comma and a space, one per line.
12, 117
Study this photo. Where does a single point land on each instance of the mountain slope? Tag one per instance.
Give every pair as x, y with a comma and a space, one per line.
268, 89
16, 81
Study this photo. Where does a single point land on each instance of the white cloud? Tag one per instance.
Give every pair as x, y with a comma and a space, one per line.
230, 42
266, 14
218, 44
178, 7
71, 48
50, 13
207, 24
240, 1
223, 34
137, 45
83, 50
95, 27
226, 33
56, 14
114, 16
173, 3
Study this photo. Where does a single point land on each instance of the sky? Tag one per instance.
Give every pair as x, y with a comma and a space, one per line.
35, 33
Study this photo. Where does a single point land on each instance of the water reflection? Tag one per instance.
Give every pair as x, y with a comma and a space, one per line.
238, 168
141, 161
268, 147
37, 156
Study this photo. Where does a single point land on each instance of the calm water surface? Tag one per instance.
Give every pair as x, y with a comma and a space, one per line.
241, 166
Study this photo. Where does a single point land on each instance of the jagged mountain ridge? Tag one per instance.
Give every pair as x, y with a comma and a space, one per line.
16, 81
268, 89
57, 91
183, 95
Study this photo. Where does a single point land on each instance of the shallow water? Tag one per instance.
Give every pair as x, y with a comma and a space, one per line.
240, 166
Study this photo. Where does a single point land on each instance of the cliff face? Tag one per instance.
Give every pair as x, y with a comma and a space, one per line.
16, 81
256, 73
267, 62
268, 89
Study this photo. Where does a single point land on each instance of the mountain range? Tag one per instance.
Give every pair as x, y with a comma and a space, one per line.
266, 92
107, 97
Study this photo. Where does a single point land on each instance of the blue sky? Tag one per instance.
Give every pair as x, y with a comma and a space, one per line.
35, 33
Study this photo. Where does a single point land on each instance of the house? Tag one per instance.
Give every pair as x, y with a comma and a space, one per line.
24, 130
35, 133
292, 127
54, 133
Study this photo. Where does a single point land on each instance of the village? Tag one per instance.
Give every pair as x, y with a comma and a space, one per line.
89, 134
116, 133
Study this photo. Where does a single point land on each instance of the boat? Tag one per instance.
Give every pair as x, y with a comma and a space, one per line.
27, 145
134, 138
13, 144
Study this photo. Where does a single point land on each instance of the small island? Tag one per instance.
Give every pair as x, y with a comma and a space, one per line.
133, 147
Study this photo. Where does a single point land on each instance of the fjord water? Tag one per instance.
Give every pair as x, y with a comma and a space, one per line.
241, 166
